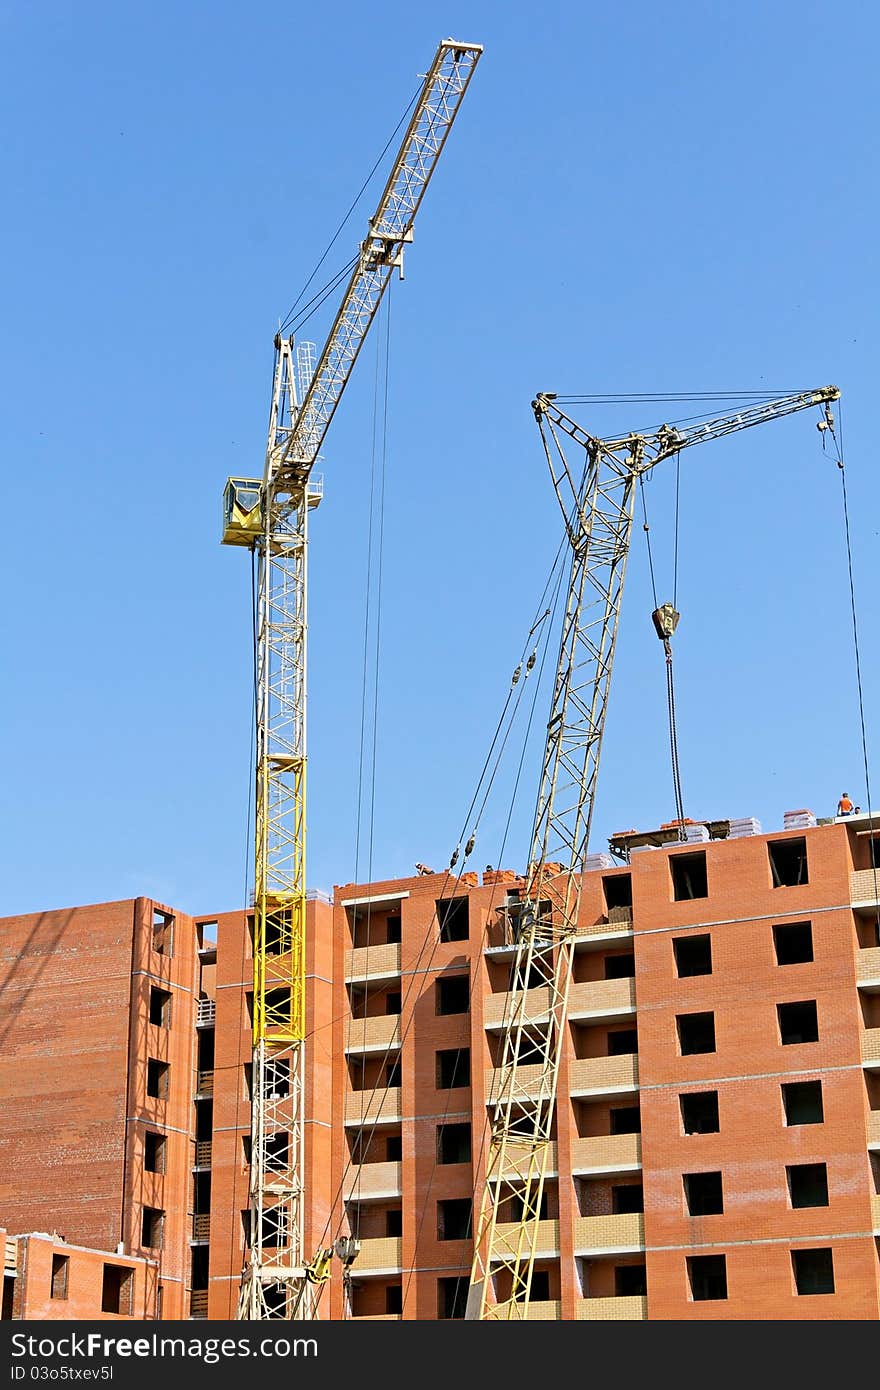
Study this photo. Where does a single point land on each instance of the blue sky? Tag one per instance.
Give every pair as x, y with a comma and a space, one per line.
634, 199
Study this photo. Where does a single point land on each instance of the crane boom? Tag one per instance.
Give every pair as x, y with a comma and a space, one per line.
390, 228
271, 518
542, 926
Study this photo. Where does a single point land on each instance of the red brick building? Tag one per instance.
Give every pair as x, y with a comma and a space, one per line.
717, 1146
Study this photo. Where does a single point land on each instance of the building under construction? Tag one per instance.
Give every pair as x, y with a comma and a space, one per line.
716, 1139
640, 1084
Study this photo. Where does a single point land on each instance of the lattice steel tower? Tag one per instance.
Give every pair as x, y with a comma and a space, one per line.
597, 504
270, 516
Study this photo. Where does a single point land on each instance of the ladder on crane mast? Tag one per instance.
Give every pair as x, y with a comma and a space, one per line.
597, 507
269, 516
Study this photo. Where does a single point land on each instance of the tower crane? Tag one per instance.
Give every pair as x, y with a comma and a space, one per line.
597, 506
270, 516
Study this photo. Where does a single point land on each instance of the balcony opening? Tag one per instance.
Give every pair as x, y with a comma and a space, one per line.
627, 1198
869, 1005
452, 1296
394, 1222
453, 1068
152, 1227
246, 1144
393, 1299
158, 1078
248, 1073
693, 955
813, 1271
367, 1073
623, 1042
198, 1268
163, 935
454, 1143
793, 943
807, 1184
618, 891
802, 1103
204, 1121
689, 879
788, 862
245, 1228
621, 966
205, 1046
630, 1281
454, 1218
625, 1119
60, 1272
540, 1288
516, 1209
249, 1006
201, 1193
392, 1072
707, 1276
117, 1287
452, 994
394, 1148
699, 1112
531, 1050
696, 1033
798, 1023
452, 918
703, 1194
154, 1152
374, 924
525, 1124
540, 971
393, 1001
160, 1007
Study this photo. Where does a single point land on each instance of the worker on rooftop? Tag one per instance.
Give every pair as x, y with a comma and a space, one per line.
844, 805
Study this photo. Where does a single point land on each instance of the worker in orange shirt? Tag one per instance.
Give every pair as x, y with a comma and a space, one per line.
844, 805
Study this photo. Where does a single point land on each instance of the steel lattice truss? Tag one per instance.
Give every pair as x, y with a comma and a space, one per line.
382, 250
598, 512
273, 1283
278, 1280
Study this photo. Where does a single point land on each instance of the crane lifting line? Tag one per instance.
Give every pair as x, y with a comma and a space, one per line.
377, 503
357, 197
837, 437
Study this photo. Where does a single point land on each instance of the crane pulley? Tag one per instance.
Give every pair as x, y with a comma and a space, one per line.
597, 508
270, 517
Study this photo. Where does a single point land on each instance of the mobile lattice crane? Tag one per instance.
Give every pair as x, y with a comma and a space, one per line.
270, 517
597, 506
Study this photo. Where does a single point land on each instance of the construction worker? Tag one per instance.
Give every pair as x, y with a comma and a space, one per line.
844, 805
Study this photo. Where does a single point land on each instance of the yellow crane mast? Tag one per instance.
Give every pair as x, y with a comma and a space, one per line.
270, 516
597, 506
